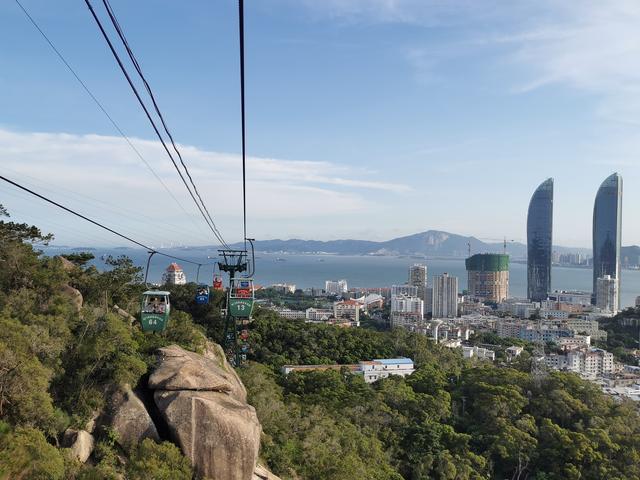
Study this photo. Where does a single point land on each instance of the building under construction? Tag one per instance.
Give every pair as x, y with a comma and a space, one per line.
488, 275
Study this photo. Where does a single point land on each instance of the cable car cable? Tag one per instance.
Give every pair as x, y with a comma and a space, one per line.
144, 107
242, 109
104, 206
134, 61
73, 212
100, 106
155, 128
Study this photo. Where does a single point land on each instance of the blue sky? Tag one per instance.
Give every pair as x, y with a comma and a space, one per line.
366, 118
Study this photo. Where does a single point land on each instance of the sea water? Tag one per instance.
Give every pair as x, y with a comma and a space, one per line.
359, 270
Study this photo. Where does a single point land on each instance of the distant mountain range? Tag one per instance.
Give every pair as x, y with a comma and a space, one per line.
431, 243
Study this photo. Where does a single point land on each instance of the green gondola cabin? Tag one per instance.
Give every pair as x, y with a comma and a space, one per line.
155, 310
241, 297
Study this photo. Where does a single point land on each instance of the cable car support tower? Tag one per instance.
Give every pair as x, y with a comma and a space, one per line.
240, 295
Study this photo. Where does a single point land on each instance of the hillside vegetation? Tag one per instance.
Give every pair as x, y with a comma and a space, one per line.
449, 420
59, 361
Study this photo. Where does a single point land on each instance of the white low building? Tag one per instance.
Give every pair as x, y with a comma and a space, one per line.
577, 341
573, 297
554, 314
318, 314
371, 370
290, 314
383, 367
451, 343
284, 287
518, 308
478, 352
588, 362
514, 351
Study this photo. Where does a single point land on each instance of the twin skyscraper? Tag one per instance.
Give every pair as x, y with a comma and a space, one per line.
607, 225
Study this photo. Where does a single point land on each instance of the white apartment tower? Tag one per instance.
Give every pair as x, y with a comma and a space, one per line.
406, 310
418, 278
607, 293
445, 296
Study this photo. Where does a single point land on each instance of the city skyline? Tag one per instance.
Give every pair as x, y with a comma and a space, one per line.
450, 98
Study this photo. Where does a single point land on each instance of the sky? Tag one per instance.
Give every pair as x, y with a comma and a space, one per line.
366, 119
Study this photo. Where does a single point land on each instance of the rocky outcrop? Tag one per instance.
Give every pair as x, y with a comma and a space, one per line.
262, 473
214, 352
219, 434
79, 442
67, 265
130, 419
74, 295
204, 404
124, 314
179, 369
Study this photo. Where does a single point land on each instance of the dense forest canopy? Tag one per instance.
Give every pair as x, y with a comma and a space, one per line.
60, 355
451, 419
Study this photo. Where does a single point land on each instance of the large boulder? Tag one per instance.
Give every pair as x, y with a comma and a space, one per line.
179, 369
79, 442
74, 295
130, 419
204, 405
219, 434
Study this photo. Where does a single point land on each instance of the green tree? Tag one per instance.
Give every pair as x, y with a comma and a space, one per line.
160, 461
25, 453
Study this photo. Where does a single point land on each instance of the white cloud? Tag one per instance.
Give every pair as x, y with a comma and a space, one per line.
101, 176
590, 46
416, 12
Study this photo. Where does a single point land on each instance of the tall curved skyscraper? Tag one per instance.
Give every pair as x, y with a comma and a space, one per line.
539, 241
607, 230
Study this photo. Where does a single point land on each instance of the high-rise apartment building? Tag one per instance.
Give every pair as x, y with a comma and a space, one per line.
539, 242
445, 296
428, 300
607, 293
607, 228
488, 276
406, 311
418, 278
